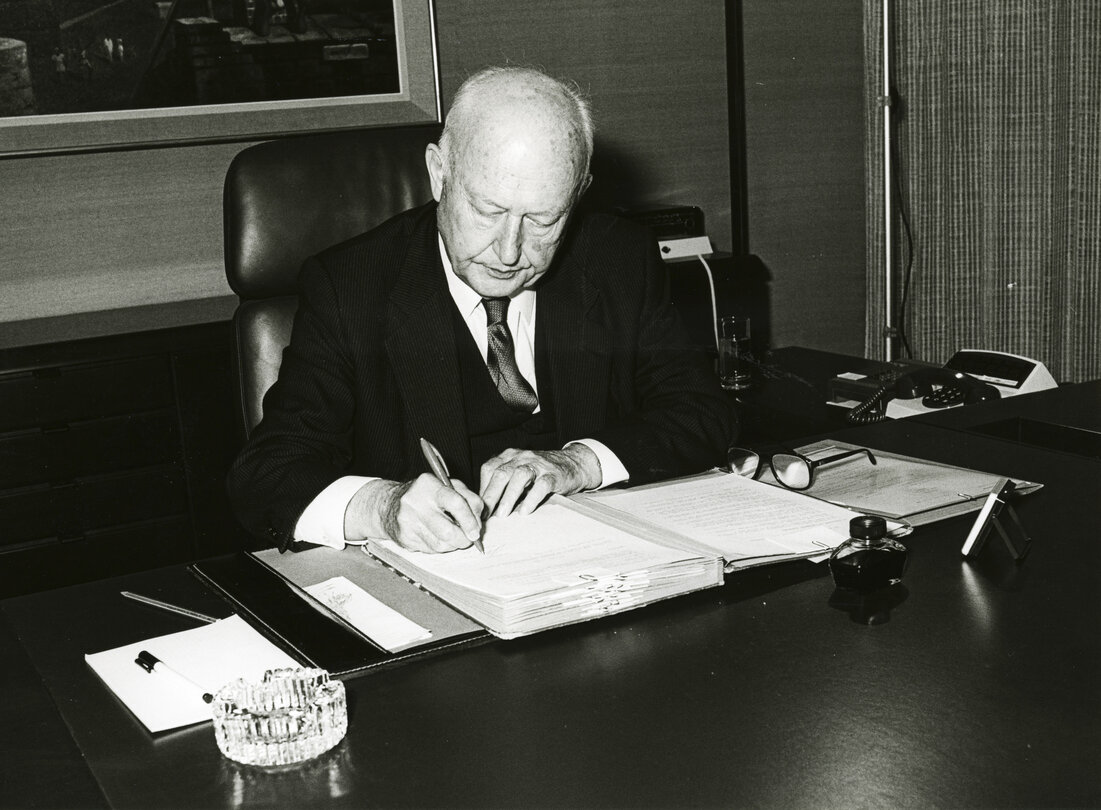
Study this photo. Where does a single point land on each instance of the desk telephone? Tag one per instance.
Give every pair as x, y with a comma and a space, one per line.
969, 376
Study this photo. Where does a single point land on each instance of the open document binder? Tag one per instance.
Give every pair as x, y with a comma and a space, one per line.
572, 560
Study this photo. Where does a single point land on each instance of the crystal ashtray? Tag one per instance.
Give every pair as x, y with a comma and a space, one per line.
288, 717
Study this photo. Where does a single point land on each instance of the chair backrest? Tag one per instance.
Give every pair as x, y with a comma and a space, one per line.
286, 200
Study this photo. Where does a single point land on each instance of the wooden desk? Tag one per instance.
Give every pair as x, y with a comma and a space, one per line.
981, 689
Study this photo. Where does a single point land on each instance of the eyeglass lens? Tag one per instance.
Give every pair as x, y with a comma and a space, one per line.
742, 462
791, 471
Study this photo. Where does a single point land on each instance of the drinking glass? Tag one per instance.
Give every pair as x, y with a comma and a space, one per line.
734, 366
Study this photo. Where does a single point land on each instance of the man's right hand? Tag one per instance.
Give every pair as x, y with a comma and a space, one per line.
421, 514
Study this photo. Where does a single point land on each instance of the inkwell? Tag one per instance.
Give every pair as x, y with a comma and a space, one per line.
867, 570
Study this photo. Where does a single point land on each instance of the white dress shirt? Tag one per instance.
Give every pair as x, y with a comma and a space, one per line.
322, 521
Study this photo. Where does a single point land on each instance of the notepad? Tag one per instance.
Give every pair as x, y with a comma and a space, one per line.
210, 656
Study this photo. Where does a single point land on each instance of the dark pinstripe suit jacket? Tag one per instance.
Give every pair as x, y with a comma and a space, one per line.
373, 365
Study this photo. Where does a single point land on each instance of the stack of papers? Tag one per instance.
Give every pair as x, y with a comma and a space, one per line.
553, 567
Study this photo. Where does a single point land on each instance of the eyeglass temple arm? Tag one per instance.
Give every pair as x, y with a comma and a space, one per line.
846, 454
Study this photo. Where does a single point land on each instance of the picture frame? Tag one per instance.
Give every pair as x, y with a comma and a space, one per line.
416, 100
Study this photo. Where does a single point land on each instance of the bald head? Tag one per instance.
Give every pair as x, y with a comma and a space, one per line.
516, 107
511, 164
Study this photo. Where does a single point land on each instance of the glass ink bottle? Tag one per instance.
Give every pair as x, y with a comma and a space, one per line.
868, 560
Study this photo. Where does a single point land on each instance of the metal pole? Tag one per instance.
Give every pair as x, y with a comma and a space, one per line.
888, 252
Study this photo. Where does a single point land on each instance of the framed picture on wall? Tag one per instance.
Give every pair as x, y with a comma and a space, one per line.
92, 75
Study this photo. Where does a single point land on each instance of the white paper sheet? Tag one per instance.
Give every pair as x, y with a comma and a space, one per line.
210, 656
736, 516
376, 620
553, 544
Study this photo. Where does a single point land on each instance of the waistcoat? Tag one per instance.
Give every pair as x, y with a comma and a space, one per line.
491, 425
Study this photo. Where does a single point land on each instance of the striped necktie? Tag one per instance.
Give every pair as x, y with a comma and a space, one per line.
501, 359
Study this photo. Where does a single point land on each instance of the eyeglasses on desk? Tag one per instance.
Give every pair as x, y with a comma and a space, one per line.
793, 470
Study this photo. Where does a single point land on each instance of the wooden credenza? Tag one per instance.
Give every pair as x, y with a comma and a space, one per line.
113, 453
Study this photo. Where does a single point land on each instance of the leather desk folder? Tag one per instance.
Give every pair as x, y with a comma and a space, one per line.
266, 589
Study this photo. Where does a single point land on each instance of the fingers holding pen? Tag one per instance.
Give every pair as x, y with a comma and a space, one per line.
426, 515
468, 519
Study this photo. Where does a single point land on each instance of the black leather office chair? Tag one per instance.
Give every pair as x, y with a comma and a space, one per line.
287, 199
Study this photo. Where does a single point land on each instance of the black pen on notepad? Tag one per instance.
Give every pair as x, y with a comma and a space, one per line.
439, 469
157, 603
151, 664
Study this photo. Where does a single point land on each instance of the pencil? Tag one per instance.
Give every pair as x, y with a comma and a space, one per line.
157, 603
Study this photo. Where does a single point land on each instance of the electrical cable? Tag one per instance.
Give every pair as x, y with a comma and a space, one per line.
907, 273
714, 303
872, 409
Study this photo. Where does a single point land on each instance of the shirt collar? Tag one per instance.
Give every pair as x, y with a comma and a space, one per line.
467, 300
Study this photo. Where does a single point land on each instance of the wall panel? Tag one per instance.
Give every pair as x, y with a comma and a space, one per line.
81, 233
804, 162
656, 73
110, 230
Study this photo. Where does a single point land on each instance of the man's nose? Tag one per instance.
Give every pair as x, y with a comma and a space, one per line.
510, 240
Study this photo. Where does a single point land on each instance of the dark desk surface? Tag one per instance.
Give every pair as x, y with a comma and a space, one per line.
789, 396
980, 690
1066, 419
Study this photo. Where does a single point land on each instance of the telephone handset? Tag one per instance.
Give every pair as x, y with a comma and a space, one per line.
970, 375
937, 387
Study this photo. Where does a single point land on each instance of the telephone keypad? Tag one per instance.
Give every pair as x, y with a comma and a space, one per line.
944, 397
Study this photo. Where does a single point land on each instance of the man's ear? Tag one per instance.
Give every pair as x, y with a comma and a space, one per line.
433, 159
584, 186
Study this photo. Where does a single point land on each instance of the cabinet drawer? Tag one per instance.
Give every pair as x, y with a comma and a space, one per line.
45, 513
110, 552
60, 454
78, 393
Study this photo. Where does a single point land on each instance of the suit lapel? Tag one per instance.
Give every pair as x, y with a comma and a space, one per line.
568, 319
420, 342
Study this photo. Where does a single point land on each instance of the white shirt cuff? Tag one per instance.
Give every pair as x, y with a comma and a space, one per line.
322, 522
612, 470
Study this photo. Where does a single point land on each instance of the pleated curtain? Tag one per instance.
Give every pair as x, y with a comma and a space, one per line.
998, 139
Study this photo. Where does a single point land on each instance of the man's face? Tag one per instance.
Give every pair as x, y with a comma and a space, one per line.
503, 210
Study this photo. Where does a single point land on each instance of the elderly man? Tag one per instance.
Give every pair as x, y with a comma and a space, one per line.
535, 349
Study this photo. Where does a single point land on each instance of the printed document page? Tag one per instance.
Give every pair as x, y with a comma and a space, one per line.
553, 547
736, 516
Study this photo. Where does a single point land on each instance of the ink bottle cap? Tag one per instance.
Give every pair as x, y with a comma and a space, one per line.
868, 528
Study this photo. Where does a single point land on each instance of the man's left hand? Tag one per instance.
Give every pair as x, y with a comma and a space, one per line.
520, 480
